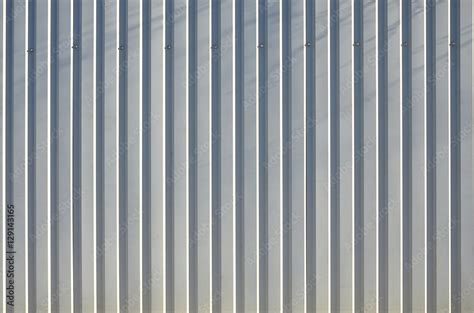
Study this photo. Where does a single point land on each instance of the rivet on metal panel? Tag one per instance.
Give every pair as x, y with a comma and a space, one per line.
404, 44
452, 44
214, 46
260, 46
356, 44
167, 47
75, 45
30, 50
121, 48
308, 44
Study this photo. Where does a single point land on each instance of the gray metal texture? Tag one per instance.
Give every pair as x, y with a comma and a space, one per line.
237, 156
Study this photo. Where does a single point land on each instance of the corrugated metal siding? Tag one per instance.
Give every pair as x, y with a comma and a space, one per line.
237, 156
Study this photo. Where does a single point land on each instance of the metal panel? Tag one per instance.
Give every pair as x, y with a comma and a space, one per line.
237, 156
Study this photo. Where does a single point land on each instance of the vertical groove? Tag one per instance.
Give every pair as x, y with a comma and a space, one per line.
99, 98
454, 156
193, 156
262, 156
168, 155
382, 158
358, 154
239, 155
216, 155
406, 155
123, 153
76, 101
430, 155
334, 160
54, 168
30, 110
310, 179
286, 151
146, 153
8, 183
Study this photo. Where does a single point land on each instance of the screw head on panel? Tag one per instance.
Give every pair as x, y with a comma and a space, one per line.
452, 44
260, 46
308, 44
167, 47
75, 46
121, 48
214, 46
30, 50
356, 44
404, 44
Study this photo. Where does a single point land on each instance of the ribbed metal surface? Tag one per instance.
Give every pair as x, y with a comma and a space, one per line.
237, 156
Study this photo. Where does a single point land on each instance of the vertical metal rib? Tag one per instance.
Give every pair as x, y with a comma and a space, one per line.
193, 155
168, 155
146, 152
262, 156
286, 151
310, 153
122, 20
382, 158
430, 155
53, 139
406, 154
99, 99
31, 150
358, 154
8, 183
76, 102
334, 160
454, 156
239, 154
216, 155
